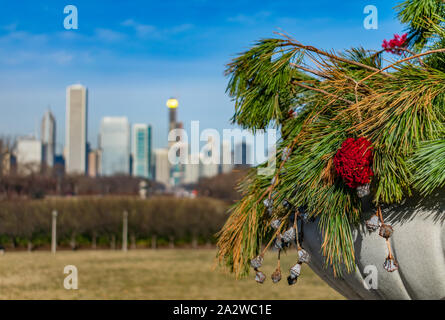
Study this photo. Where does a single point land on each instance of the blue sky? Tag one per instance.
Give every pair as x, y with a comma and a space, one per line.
134, 55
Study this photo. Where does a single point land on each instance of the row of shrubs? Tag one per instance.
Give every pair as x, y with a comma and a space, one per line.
98, 221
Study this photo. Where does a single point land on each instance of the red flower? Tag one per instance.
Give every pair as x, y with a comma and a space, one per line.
395, 44
353, 162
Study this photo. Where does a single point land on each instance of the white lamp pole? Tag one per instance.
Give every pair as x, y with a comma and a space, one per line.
54, 232
125, 231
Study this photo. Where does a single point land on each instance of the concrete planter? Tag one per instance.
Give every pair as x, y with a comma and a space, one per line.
419, 247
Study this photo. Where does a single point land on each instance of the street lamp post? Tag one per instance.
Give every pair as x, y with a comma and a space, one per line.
54, 232
125, 232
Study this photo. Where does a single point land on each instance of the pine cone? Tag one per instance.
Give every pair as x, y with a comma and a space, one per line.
373, 223
303, 256
289, 235
386, 231
256, 262
275, 224
276, 276
390, 265
363, 190
295, 270
291, 280
260, 277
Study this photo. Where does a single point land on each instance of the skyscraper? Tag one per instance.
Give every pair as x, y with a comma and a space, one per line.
192, 169
172, 105
94, 162
141, 151
76, 128
29, 155
162, 172
210, 159
243, 155
226, 157
48, 138
115, 145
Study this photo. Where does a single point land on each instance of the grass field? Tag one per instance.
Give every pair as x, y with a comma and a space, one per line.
145, 274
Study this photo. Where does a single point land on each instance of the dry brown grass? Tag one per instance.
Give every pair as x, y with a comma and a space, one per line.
145, 274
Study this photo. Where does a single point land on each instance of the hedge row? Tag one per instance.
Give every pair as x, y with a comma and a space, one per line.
98, 221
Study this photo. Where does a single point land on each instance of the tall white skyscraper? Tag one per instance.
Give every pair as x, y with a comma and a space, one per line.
48, 138
115, 145
141, 150
76, 129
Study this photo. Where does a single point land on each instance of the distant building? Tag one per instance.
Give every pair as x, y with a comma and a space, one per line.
115, 146
48, 138
8, 163
76, 129
210, 161
192, 169
226, 157
162, 166
29, 155
59, 165
243, 155
94, 162
142, 151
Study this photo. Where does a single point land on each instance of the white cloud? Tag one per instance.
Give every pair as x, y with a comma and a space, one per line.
61, 57
142, 30
10, 27
108, 35
145, 30
23, 37
181, 28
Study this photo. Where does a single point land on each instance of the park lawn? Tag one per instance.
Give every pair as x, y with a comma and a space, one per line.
146, 274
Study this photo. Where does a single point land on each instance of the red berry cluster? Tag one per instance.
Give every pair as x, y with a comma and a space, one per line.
353, 162
395, 44
292, 113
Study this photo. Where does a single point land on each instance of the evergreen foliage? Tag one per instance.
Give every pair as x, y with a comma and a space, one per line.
399, 108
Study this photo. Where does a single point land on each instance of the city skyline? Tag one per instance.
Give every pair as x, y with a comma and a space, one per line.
158, 52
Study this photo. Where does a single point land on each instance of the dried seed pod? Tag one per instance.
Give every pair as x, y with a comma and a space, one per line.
390, 265
257, 262
260, 277
276, 276
275, 224
386, 231
295, 270
286, 152
373, 223
268, 203
289, 235
278, 242
363, 190
303, 256
291, 280
286, 204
